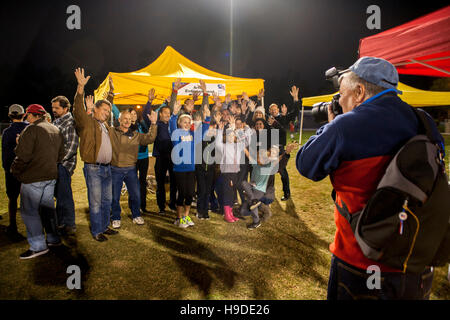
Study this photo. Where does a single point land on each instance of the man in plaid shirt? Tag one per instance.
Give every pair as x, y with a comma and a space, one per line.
65, 207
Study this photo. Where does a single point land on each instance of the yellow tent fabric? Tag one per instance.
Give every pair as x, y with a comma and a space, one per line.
132, 88
412, 96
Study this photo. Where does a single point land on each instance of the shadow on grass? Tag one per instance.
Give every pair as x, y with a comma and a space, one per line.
303, 244
51, 269
200, 274
7, 239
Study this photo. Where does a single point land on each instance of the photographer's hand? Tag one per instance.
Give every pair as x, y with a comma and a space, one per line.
331, 115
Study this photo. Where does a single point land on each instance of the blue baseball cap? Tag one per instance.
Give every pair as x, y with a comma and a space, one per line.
377, 71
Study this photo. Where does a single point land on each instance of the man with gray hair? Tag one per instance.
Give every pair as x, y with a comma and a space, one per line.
355, 148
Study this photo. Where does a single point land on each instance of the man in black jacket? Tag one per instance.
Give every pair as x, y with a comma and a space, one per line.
16, 113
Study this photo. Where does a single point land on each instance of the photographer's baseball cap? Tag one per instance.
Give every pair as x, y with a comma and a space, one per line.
16, 108
36, 108
377, 71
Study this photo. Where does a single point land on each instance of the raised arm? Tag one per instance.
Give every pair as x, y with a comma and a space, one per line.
150, 136
173, 97
79, 112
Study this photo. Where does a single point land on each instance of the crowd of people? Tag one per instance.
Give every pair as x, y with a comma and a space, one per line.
222, 156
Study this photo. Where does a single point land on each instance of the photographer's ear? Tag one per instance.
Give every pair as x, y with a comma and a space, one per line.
360, 93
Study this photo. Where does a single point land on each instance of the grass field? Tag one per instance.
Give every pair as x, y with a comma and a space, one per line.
286, 258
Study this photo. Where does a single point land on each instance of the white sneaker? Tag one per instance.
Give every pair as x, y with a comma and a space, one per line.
138, 220
116, 224
183, 223
189, 221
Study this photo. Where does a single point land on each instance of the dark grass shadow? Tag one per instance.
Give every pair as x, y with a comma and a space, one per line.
51, 268
7, 239
303, 243
201, 275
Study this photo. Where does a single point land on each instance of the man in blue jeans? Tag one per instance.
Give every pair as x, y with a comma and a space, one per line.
65, 207
125, 145
39, 149
96, 152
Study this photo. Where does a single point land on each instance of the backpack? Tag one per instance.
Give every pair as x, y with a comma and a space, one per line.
406, 222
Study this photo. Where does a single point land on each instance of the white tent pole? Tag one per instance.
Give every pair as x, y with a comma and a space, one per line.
430, 66
301, 128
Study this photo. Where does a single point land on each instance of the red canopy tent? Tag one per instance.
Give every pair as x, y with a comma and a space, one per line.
419, 47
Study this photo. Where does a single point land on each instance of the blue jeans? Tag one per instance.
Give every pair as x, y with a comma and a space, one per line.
37, 208
65, 207
99, 188
129, 176
250, 194
347, 282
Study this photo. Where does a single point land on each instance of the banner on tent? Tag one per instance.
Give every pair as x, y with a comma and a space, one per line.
189, 88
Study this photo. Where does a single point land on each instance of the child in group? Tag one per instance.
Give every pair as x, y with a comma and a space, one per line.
184, 140
230, 156
265, 166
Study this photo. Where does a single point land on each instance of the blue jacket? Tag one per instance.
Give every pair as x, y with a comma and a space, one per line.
355, 150
184, 140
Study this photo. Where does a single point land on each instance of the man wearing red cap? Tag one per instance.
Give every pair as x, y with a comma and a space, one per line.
39, 149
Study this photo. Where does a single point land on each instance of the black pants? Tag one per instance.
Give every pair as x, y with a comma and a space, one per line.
204, 185
347, 282
284, 178
142, 170
242, 176
229, 188
185, 187
162, 165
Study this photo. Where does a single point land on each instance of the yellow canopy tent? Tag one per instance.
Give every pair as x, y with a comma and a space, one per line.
412, 96
132, 88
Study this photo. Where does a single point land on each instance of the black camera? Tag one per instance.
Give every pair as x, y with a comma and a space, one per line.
320, 109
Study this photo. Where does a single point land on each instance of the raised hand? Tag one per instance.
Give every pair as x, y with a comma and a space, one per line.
151, 94
294, 93
217, 117
168, 99
195, 95
260, 94
284, 109
215, 96
89, 103
153, 117
177, 107
228, 98
252, 105
245, 96
111, 84
177, 85
270, 120
81, 79
291, 146
202, 85
232, 120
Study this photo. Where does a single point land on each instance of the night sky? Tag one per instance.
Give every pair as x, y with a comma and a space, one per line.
285, 42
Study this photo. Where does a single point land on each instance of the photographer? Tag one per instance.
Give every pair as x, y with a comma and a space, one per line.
354, 148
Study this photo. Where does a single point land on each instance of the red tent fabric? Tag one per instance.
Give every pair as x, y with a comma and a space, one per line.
419, 47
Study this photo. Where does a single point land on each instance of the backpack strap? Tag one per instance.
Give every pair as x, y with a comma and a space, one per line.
351, 218
425, 128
